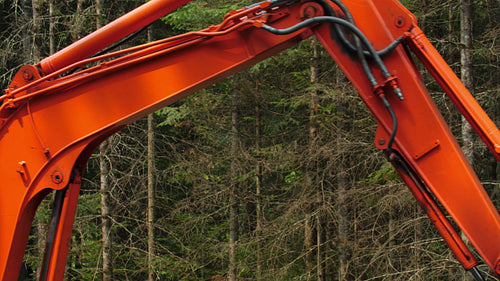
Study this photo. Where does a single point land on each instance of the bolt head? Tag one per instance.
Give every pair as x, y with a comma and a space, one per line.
399, 22
57, 177
27, 75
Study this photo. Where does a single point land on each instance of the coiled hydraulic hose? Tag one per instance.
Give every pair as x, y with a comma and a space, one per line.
350, 19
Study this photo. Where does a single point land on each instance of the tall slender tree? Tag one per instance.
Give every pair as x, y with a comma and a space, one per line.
77, 21
105, 189
258, 188
313, 128
151, 186
341, 200
233, 197
36, 30
151, 197
467, 77
52, 24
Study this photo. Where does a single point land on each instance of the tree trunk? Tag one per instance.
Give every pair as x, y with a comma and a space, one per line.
343, 223
23, 18
422, 20
258, 191
451, 6
77, 21
308, 233
151, 187
320, 258
52, 24
98, 13
104, 169
417, 253
466, 59
313, 126
343, 216
233, 199
390, 267
151, 197
35, 50
310, 225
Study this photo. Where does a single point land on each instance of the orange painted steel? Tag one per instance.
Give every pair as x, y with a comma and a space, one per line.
423, 138
69, 116
50, 125
437, 217
457, 92
59, 249
109, 34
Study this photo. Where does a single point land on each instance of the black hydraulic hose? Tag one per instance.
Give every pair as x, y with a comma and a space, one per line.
381, 53
349, 18
390, 47
394, 126
54, 221
357, 32
477, 274
344, 9
367, 70
114, 46
121, 42
344, 23
359, 47
402, 165
361, 54
340, 33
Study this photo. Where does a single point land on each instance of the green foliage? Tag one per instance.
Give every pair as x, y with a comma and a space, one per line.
384, 175
172, 115
293, 176
200, 14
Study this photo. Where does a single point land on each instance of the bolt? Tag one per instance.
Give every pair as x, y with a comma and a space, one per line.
57, 177
309, 12
381, 141
28, 75
399, 22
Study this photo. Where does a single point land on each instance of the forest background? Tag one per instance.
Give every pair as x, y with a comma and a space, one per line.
270, 174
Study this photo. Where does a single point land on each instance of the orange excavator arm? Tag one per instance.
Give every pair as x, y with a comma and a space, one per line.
54, 114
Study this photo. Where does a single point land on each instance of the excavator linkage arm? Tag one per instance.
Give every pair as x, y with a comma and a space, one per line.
55, 114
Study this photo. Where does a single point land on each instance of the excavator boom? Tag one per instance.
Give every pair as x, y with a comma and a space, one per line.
54, 114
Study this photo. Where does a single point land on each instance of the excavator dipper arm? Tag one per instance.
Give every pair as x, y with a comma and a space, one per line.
50, 123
